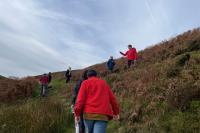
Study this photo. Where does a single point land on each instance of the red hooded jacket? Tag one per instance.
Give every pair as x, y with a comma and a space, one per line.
44, 79
131, 54
95, 97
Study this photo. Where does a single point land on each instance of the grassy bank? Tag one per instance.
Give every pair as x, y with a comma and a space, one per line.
35, 116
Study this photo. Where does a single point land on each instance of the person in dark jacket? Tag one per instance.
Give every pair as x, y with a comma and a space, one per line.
68, 75
49, 77
111, 64
75, 95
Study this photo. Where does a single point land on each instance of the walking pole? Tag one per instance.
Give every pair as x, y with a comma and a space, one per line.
75, 124
76, 128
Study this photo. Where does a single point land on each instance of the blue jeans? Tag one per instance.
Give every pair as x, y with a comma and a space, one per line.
93, 126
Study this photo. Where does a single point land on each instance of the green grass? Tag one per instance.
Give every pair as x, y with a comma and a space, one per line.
186, 121
39, 115
37, 91
34, 116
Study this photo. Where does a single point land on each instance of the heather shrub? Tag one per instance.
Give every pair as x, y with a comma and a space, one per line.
182, 60
194, 45
173, 72
181, 93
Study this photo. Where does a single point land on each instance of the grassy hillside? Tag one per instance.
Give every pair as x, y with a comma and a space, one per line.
11, 90
38, 115
160, 94
2, 77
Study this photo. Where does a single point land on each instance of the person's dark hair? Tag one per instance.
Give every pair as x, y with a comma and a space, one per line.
91, 73
84, 75
130, 45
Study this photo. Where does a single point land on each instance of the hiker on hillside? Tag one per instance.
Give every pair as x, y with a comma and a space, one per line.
97, 102
49, 77
111, 64
68, 74
44, 85
131, 55
75, 95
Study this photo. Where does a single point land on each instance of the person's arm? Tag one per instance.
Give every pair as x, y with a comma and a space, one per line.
66, 74
75, 93
40, 81
113, 62
121, 53
136, 56
70, 74
108, 63
48, 79
124, 54
113, 101
80, 100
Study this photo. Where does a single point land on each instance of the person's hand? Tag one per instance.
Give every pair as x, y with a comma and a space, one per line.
77, 119
116, 117
135, 62
72, 109
121, 53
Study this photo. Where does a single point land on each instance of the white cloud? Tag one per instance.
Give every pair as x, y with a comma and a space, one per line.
40, 36
150, 11
29, 47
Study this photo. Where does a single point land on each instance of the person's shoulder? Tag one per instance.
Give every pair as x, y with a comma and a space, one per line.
93, 79
84, 81
102, 81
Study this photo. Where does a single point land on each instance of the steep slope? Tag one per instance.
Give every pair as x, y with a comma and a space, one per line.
160, 94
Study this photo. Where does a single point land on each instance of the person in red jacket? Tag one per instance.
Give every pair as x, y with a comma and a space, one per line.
131, 55
97, 102
44, 80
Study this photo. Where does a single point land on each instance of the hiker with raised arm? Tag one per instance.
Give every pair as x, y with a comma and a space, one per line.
81, 126
111, 64
44, 84
97, 102
68, 74
131, 55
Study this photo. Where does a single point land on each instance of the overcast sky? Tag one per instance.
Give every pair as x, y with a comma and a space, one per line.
38, 36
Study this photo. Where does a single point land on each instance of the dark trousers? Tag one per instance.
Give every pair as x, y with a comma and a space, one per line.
81, 124
130, 62
68, 79
111, 69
